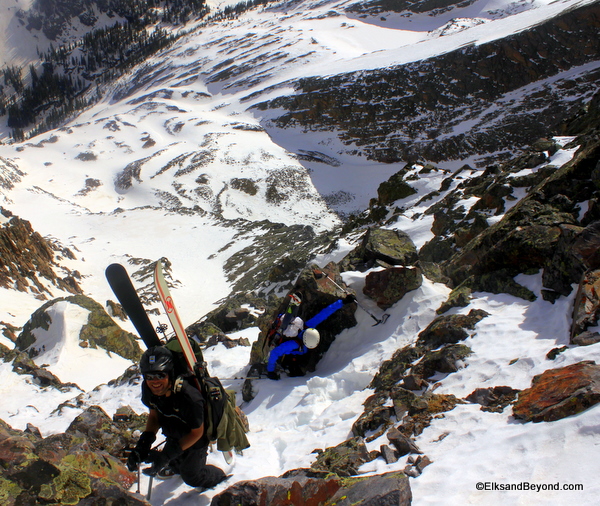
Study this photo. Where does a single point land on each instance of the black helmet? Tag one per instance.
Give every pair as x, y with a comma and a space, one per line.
157, 359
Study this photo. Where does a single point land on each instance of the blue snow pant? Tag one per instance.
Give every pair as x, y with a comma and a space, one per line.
291, 347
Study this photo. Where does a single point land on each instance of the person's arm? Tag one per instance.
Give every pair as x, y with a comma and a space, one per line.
324, 314
152, 424
191, 437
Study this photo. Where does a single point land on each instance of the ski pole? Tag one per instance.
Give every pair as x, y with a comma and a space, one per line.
149, 494
139, 473
319, 274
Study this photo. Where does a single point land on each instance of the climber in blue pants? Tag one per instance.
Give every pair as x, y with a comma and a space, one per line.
306, 335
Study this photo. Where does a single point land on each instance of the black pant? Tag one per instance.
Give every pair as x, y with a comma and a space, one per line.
194, 471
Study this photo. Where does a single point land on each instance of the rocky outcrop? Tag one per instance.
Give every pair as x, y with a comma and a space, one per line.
306, 488
99, 331
381, 247
539, 233
558, 393
70, 468
389, 286
28, 262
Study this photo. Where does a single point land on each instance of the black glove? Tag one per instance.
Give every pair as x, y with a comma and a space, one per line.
349, 299
272, 375
161, 459
141, 450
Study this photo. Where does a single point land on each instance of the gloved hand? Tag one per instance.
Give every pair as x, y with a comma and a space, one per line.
160, 459
349, 299
141, 450
272, 375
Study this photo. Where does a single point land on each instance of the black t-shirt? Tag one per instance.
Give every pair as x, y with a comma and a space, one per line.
178, 413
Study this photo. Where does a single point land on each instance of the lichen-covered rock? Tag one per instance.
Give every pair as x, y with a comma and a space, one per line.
307, 488
558, 393
344, 459
388, 247
99, 331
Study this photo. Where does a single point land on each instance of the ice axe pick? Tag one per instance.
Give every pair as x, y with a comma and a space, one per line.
320, 274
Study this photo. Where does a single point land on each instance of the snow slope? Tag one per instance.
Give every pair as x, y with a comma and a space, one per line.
69, 193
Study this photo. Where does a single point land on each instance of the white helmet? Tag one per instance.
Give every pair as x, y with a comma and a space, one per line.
311, 338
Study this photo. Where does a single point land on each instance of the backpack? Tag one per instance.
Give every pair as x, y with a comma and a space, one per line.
225, 424
281, 321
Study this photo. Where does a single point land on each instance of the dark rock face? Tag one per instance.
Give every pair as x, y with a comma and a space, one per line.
539, 232
558, 393
389, 286
26, 258
586, 309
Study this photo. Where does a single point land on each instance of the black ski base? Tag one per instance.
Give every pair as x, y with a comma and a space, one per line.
121, 285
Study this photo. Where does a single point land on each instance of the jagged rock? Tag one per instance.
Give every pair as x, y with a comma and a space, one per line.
420, 410
388, 247
586, 309
372, 418
344, 459
24, 364
449, 329
388, 286
388, 454
586, 338
415, 467
459, 297
537, 233
60, 469
403, 444
99, 431
394, 188
391, 371
231, 316
227, 341
493, 399
306, 489
27, 258
445, 360
413, 382
586, 246
558, 393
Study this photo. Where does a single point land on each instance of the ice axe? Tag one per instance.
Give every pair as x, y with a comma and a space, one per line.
320, 274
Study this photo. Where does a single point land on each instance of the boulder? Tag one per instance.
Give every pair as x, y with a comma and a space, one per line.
586, 309
388, 286
61, 469
100, 330
493, 399
381, 247
344, 459
449, 329
304, 488
558, 393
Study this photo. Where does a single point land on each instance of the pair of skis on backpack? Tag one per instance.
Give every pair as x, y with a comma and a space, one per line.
122, 287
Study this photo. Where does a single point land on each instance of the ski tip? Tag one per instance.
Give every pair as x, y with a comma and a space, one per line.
114, 267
